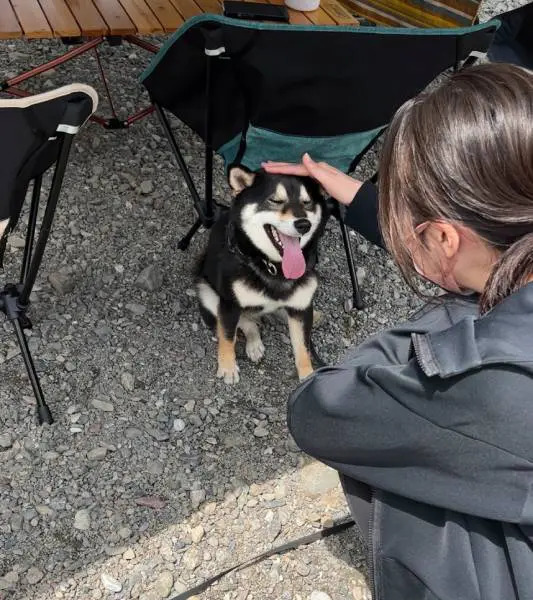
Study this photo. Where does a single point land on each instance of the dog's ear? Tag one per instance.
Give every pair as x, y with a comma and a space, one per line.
240, 177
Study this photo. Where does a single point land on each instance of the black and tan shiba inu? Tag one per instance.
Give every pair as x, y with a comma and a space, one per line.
261, 257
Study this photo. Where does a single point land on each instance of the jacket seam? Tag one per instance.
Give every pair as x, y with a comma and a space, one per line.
451, 429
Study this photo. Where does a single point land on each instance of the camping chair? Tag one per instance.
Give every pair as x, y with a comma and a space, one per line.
513, 42
263, 91
37, 134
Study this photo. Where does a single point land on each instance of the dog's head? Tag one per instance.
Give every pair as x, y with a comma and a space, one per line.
281, 215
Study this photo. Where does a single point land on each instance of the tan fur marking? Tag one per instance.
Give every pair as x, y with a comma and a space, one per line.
226, 350
301, 354
304, 196
281, 193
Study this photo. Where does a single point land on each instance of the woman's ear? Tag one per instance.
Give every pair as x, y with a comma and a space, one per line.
239, 178
445, 236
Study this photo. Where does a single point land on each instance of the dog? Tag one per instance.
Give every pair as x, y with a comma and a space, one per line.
261, 257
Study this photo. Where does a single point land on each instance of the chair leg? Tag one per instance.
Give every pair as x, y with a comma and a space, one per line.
43, 412
357, 298
183, 244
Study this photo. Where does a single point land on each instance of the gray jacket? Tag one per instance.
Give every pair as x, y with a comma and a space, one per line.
436, 416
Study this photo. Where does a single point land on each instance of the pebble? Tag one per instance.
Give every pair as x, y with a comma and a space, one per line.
197, 497
110, 583
129, 554
197, 533
82, 520
132, 433
150, 279
33, 575
16, 242
155, 467
192, 559
157, 434
6, 441
97, 454
146, 187
179, 425
124, 532
61, 281
260, 431
136, 309
162, 586
102, 405
128, 381
316, 478
316, 595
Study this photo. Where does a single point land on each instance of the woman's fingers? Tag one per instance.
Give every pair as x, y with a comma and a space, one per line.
285, 168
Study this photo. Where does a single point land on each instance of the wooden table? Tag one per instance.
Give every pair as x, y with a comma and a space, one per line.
85, 24
94, 18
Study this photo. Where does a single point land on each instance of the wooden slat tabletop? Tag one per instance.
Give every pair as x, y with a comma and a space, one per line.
92, 18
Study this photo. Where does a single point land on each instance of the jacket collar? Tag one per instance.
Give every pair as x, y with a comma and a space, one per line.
503, 335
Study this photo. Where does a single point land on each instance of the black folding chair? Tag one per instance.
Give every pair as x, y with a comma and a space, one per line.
513, 43
36, 135
266, 91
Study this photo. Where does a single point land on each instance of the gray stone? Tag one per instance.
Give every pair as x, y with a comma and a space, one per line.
179, 425
34, 575
6, 441
260, 431
97, 453
197, 497
132, 433
128, 381
155, 467
316, 595
157, 434
192, 559
316, 478
61, 281
82, 520
110, 583
102, 405
162, 586
150, 279
146, 187
197, 533
136, 309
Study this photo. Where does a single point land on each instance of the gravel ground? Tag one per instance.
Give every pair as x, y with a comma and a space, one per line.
156, 475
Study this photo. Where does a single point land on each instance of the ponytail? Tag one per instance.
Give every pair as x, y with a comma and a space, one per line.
513, 270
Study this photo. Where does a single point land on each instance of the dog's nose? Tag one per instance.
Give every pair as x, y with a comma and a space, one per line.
302, 225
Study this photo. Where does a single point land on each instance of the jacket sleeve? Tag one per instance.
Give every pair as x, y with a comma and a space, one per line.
362, 214
378, 419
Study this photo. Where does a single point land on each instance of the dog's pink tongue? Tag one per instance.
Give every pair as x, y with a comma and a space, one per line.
293, 261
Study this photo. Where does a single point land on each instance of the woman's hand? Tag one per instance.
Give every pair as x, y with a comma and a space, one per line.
337, 184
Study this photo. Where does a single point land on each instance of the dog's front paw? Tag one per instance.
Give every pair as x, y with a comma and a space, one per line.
255, 349
229, 373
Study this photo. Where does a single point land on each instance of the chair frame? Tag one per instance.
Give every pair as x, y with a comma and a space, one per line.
15, 297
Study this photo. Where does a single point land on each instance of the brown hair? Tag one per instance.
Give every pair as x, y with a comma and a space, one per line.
463, 152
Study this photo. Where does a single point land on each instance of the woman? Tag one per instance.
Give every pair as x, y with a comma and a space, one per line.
430, 424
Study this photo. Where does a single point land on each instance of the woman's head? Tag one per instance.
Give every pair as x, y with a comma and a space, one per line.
456, 182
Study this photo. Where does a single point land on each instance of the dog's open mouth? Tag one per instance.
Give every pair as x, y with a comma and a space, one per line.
293, 261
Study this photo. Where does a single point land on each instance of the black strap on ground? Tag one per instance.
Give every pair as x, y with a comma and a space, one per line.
339, 526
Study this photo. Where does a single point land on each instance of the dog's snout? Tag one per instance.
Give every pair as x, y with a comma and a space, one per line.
302, 225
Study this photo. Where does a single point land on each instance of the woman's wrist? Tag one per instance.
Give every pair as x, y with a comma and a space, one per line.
348, 194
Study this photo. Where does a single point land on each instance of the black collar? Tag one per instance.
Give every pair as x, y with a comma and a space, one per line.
265, 266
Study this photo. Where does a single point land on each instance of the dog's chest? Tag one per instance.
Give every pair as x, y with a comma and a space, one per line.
251, 298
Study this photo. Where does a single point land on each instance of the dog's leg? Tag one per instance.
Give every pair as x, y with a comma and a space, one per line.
227, 319
254, 345
300, 325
